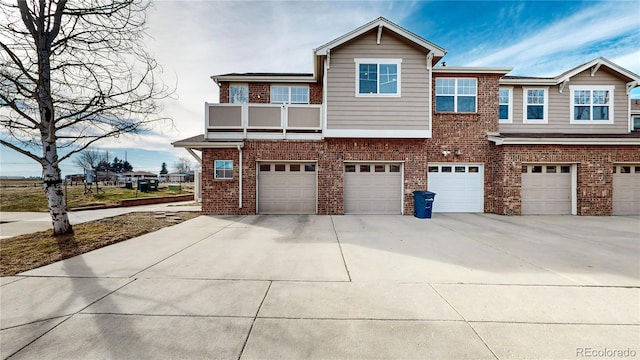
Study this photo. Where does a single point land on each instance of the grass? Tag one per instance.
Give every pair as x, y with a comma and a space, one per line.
27, 195
30, 251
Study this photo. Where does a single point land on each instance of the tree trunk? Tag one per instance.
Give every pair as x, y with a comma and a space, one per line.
52, 186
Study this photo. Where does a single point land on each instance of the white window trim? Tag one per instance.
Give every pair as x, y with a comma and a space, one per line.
545, 114
245, 85
573, 88
289, 91
378, 61
509, 118
456, 95
215, 167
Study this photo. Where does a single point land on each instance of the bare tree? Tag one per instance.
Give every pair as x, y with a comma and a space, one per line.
182, 165
73, 73
89, 159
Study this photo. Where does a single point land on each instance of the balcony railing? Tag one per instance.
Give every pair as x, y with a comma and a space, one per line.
263, 121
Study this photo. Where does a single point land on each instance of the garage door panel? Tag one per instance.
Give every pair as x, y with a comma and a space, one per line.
546, 189
458, 187
289, 190
372, 189
626, 189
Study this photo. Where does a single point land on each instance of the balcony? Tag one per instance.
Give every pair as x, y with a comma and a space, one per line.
263, 121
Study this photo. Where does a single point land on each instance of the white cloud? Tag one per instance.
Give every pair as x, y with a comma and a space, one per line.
566, 42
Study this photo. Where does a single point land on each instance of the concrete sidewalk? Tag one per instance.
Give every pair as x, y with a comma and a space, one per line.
458, 286
18, 223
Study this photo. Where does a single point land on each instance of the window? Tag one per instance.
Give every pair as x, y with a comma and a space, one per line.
365, 168
473, 169
591, 104
289, 94
460, 169
636, 123
350, 168
456, 95
280, 167
433, 169
535, 104
536, 169
380, 168
505, 105
394, 168
378, 77
265, 167
565, 169
238, 94
223, 169
294, 167
309, 167
446, 169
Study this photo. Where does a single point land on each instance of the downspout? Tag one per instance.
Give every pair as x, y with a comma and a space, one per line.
430, 105
240, 177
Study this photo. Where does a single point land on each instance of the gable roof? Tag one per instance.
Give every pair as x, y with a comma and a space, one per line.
382, 23
595, 64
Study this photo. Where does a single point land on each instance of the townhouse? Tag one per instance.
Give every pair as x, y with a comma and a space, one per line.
381, 117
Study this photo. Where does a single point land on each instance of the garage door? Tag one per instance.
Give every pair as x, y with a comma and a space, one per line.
286, 188
546, 189
626, 189
372, 188
458, 187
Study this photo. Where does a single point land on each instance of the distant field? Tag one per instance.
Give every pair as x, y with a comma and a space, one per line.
27, 195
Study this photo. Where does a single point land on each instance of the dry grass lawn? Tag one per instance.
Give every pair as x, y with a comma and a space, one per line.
26, 252
27, 195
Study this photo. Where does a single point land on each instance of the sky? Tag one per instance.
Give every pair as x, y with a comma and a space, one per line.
193, 40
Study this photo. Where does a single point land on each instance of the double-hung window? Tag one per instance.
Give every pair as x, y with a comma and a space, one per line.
289, 94
591, 105
378, 77
238, 94
535, 102
505, 103
456, 95
223, 169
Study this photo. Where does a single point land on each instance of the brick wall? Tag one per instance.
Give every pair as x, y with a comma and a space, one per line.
595, 173
468, 133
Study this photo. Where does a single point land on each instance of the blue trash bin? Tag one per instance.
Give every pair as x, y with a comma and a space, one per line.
423, 204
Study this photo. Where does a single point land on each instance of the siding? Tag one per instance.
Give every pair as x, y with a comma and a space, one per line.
559, 108
408, 112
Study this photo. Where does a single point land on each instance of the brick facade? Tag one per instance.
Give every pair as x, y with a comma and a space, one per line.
594, 173
464, 134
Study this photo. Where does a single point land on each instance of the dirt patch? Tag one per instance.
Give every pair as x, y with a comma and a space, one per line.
30, 251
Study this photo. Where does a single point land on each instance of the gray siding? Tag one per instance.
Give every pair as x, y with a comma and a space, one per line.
408, 112
559, 108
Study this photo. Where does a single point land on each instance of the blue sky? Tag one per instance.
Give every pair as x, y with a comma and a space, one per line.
196, 39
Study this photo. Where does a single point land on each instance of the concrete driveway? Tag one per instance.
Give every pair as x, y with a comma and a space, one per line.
458, 286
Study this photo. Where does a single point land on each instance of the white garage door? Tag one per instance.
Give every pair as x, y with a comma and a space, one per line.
286, 188
626, 189
546, 189
458, 187
372, 188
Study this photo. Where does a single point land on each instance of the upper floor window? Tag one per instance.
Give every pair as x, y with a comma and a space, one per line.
590, 104
536, 102
238, 94
505, 103
289, 94
456, 95
378, 77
